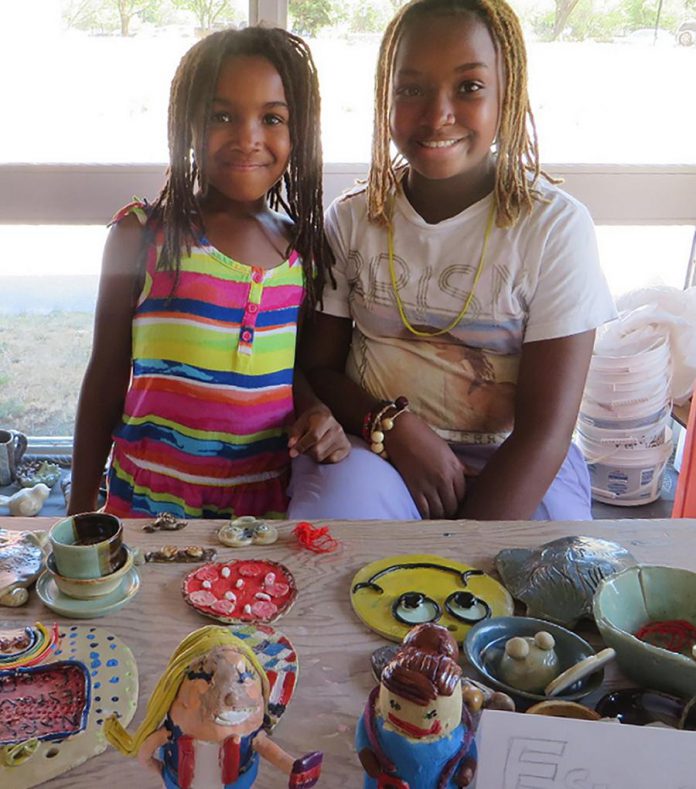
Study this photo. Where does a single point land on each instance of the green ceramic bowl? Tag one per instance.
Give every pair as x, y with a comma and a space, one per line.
87, 588
634, 597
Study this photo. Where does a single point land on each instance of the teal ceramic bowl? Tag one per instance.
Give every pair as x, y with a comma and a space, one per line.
634, 597
485, 643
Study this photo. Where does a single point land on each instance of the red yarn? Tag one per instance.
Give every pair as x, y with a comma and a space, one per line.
677, 635
315, 538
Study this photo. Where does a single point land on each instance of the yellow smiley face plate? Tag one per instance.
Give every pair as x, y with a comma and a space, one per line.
393, 595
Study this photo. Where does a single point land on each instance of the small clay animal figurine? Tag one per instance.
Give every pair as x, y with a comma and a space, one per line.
247, 530
165, 522
27, 502
416, 731
175, 553
557, 581
529, 663
204, 723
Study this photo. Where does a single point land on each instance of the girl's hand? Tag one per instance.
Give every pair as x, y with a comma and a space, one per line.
305, 771
432, 472
317, 434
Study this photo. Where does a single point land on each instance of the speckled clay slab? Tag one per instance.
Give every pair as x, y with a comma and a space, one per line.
21, 559
114, 688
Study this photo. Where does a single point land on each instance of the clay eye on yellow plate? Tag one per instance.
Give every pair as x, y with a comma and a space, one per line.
415, 608
467, 607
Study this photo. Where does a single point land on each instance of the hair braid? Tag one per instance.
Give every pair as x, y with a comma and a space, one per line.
299, 192
517, 151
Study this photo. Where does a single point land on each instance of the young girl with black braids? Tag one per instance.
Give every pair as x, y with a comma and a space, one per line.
458, 339
191, 373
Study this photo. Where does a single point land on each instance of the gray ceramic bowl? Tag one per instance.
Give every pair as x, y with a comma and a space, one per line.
632, 598
485, 642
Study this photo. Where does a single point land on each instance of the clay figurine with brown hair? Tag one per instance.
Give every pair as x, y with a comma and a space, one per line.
416, 732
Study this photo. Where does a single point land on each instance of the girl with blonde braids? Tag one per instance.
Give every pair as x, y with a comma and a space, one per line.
457, 341
203, 724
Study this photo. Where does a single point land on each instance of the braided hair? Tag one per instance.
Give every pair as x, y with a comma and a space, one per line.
517, 150
298, 193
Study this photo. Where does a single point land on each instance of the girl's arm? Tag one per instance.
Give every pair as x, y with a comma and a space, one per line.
315, 432
431, 471
302, 773
549, 389
146, 753
106, 379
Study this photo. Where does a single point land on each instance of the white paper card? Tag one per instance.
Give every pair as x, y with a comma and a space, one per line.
519, 751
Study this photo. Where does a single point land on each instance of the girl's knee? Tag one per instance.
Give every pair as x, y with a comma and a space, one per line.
363, 486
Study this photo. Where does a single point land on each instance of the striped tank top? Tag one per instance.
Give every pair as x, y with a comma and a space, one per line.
203, 431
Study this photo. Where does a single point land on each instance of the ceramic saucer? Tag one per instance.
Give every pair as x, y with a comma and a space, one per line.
51, 596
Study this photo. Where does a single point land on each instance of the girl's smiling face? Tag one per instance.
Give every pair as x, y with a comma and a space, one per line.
445, 97
248, 145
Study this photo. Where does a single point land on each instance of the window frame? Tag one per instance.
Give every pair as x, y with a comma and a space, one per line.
89, 194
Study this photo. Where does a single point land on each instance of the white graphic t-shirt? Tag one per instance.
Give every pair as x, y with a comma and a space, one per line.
541, 280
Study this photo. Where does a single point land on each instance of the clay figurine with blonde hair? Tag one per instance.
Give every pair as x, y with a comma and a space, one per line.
416, 732
203, 727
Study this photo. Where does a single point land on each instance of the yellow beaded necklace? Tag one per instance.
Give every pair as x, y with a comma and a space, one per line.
472, 292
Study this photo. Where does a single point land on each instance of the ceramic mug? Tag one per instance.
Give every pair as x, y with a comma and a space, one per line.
87, 545
12, 446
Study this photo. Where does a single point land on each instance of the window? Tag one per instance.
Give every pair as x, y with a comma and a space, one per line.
86, 131
600, 93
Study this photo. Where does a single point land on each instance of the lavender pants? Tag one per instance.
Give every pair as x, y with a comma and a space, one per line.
366, 487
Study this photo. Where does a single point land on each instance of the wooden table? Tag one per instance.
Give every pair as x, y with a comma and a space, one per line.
333, 646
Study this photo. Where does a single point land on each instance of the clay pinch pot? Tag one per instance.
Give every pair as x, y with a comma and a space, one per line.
636, 597
87, 545
88, 588
484, 648
563, 709
639, 707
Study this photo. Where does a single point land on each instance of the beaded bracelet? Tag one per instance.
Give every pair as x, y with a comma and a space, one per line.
382, 423
369, 418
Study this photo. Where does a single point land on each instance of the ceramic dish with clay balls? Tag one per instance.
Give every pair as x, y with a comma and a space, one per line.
484, 647
244, 591
88, 588
634, 598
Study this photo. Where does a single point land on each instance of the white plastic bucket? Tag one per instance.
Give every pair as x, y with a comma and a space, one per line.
623, 415
639, 352
624, 383
598, 439
636, 401
628, 477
